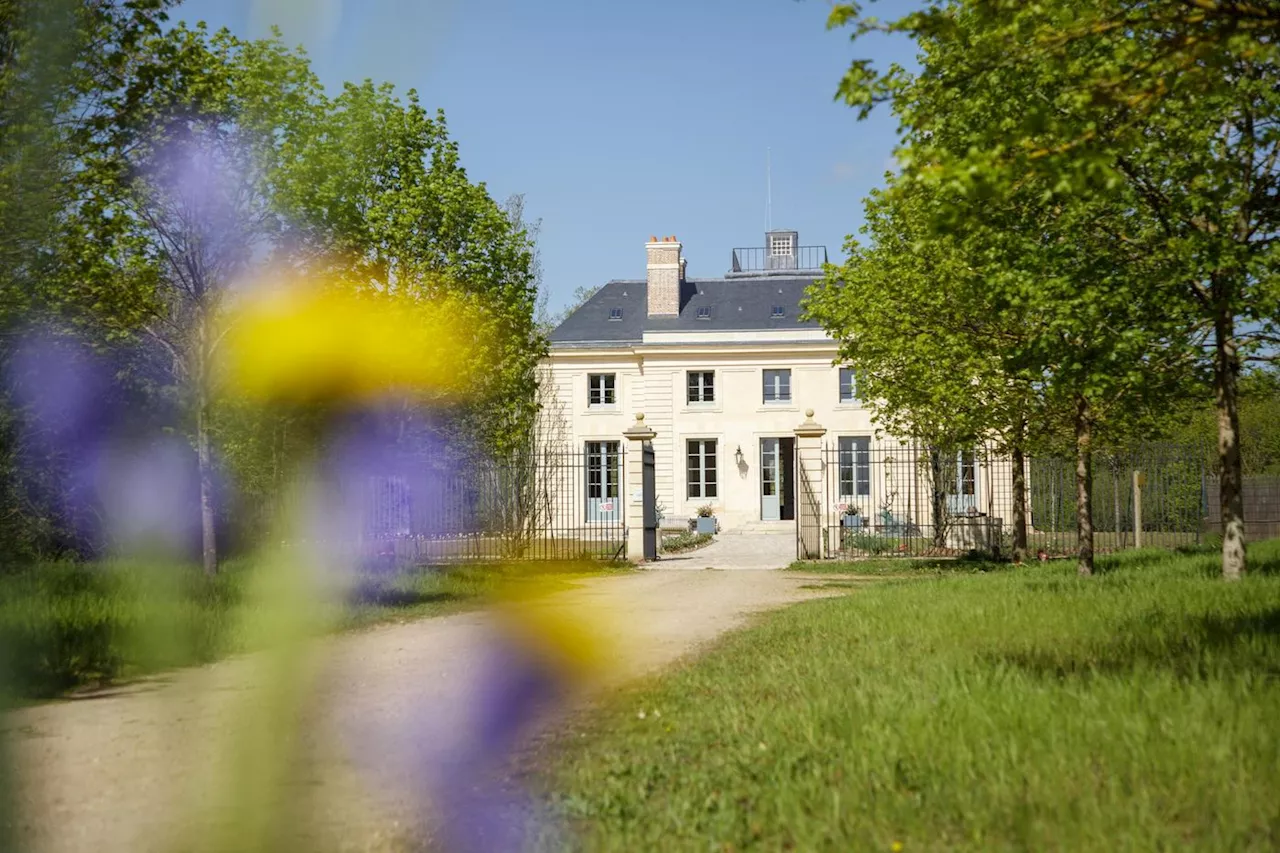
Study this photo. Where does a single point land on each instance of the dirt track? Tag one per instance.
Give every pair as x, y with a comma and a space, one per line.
120, 772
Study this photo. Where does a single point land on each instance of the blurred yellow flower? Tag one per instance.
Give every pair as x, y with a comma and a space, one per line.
307, 345
567, 637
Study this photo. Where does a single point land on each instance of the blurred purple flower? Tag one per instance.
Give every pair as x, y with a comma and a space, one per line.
111, 477
146, 493
63, 393
481, 808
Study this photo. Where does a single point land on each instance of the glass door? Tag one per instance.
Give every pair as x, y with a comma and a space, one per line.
603, 481
770, 480
962, 497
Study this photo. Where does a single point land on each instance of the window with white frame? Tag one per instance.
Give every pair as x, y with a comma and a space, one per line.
966, 473
780, 245
855, 466
601, 389
777, 386
848, 386
702, 386
702, 468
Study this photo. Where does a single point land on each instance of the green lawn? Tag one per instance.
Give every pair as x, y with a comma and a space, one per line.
65, 626
1012, 709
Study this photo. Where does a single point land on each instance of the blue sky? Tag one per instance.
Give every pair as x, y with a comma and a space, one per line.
618, 120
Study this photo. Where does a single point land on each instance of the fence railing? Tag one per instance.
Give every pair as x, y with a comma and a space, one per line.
908, 499
759, 259
563, 504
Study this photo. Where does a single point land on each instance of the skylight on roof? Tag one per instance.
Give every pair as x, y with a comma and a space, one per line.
704, 313
779, 311
615, 313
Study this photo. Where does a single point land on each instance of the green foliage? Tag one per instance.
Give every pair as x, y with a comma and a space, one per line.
1259, 423
1015, 709
363, 189
379, 193
69, 624
1129, 155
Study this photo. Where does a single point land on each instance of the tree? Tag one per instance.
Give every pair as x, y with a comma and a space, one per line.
1168, 106
929, 341
378, 198
58, 60
178, 204
581, 296
986, 329
196, 162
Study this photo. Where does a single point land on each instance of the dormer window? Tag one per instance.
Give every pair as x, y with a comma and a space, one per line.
780, 245
778, 311
704, 313
615, 314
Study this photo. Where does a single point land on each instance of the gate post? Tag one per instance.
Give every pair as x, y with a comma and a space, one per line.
642, 499
811, 499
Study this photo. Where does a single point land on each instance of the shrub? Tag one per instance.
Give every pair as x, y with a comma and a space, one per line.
869, 543
684, 542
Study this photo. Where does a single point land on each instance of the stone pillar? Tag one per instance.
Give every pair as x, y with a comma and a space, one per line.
811, 494
639, 514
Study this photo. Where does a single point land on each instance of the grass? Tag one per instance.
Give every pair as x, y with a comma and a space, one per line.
1011, 709
899, 566
67, 626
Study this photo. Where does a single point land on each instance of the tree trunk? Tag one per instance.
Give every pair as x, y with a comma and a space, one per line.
208, 518
939, 499
1019, 505
1226, 376
1084, 487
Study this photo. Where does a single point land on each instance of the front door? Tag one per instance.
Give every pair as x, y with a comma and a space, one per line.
604, 471
777, 479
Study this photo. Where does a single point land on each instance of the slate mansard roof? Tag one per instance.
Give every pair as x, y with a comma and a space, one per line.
727, 305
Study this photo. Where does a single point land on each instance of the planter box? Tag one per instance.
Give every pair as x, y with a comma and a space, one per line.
706, 524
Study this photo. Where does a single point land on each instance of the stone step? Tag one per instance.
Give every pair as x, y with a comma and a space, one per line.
757, 528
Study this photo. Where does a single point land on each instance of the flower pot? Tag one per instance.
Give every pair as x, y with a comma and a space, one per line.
706, 524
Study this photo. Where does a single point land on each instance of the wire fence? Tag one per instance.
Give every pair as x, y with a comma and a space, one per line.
907, 499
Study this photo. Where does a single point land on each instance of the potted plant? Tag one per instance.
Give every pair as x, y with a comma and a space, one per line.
706, 519
849, 516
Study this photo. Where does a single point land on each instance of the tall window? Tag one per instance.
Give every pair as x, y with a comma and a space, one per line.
604, 470
601, 389
855, 466
777, 386
702, 386
702, 468
966, 473
848, 386
780, 244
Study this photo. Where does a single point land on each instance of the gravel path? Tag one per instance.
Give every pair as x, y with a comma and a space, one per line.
736, 551
120, 772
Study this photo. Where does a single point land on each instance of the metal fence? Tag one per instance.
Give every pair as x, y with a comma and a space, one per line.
906, 499
758, 259
564, 504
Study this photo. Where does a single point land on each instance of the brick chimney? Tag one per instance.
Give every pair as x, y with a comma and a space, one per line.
665, 273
